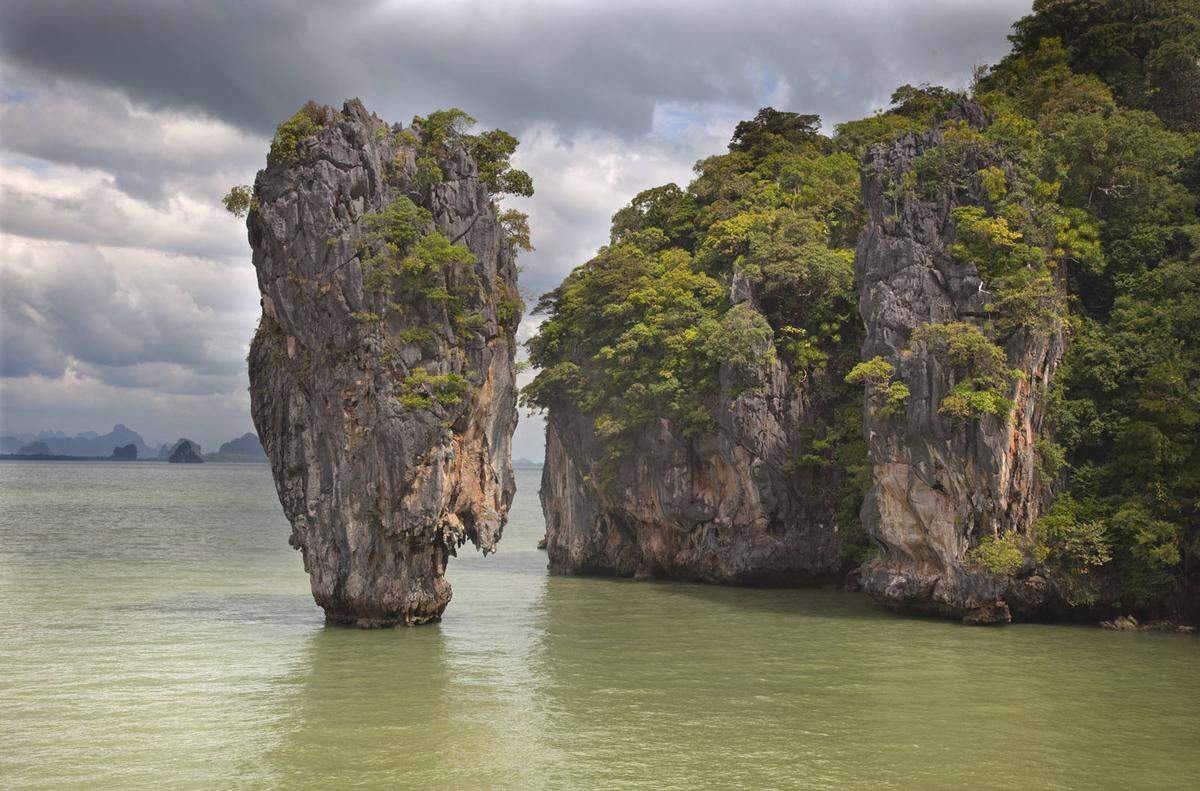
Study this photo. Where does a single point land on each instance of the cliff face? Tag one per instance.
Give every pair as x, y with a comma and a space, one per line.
724, 507
382, 384
941, 484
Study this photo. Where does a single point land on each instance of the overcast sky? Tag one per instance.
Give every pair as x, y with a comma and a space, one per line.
127, 293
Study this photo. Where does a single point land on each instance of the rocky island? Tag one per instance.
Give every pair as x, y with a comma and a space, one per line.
951, 345
185, 452
382, 374
673, 418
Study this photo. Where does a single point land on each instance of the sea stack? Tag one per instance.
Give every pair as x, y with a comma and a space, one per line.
382, 378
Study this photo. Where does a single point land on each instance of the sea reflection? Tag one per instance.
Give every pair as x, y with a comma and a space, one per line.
452, 705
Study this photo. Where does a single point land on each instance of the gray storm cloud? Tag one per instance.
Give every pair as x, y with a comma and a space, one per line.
602, 65
127, 290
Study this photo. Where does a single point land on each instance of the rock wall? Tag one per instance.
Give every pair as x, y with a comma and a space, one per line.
724, 507
941, 484
382, 476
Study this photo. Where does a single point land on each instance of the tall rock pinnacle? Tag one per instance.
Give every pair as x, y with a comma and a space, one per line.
382, 380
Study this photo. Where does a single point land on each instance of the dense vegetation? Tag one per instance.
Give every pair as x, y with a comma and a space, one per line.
1090, 165
1110, 93
645, 328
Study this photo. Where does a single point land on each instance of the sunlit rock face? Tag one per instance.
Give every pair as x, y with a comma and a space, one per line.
941, 484
387, 411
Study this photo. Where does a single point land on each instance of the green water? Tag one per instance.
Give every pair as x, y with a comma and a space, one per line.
156, 631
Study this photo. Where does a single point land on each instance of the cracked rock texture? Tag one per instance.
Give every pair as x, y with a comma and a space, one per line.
722, 507
381, 481
940, 485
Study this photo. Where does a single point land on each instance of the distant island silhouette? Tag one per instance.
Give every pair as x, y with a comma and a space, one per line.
121, 444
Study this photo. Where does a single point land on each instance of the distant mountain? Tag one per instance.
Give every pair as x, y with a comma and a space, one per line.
87, 443
37, 448
246, 445
185, 452
526, 464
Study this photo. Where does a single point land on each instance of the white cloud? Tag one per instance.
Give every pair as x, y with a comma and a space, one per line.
122, 318
65, 202
147, 153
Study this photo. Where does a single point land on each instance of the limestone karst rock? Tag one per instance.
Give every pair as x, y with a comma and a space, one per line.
941, 484
723, 507
382, 381
185, 452
125, 452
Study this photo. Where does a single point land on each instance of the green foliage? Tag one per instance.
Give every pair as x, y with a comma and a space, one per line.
387, 239
292, 133
647, 326
986, 378
239, 201
509, 309
404, 257
643, 330
774, 129
742, 340
876, 372
1096, 127
1147, 52
428, 173
492, 151
1150, 547
1073, 547
515, 225
444, 130
422, 390
889, 395
999, 555
652, 326
666, 208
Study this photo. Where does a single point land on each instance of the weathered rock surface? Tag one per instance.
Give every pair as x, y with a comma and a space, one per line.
381, 480
724, 507
185, 452
939, 484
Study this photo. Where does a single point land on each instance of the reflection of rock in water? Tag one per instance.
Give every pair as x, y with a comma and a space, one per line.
633, 672
453, 706
371, 707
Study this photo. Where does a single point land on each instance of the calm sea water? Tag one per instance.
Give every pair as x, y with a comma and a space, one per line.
156, 631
